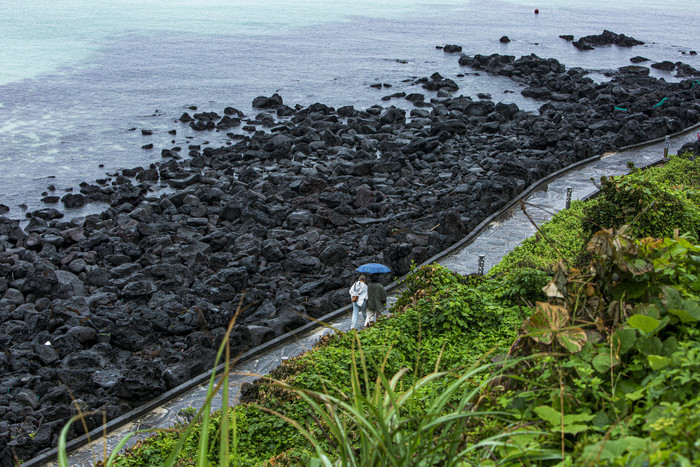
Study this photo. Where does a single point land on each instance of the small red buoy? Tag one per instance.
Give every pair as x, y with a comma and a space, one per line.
537, 12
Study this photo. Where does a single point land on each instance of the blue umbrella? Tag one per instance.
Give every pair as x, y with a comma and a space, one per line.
373, 268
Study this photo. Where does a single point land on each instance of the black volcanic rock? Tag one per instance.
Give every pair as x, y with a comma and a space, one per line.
50, 199
684, 70
665, 65
262, 102
638, 59
71, 200
606, 38
438, 83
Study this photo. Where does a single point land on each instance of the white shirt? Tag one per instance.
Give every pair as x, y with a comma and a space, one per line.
359, 289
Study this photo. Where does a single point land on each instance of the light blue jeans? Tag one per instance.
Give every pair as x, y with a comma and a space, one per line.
358, 315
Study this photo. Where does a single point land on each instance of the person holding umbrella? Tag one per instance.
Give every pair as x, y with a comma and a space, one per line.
358, 296
376, 294
376, 300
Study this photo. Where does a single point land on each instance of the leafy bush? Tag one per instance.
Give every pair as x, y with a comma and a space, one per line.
680, 171
453, 306
653, 202
563, 235
523, 285
621, 392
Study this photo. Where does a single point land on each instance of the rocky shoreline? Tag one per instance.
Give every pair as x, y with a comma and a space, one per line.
110, 310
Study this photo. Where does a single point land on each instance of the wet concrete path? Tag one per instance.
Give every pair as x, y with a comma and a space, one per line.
507, 232
497, 239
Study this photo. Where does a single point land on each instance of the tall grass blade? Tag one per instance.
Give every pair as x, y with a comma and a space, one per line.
224, 444
204, 411
203, 445
62, 454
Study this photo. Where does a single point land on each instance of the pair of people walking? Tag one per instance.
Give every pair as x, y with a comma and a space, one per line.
368, 300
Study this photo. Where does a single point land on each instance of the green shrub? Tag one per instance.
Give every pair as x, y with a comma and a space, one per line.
627, 397
680, 171
652, 202
523, 285
563, 235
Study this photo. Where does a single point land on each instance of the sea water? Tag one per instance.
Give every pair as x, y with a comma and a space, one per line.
79, 79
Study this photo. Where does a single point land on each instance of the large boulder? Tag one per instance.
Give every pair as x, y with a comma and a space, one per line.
606, 38
300, 261
262, 102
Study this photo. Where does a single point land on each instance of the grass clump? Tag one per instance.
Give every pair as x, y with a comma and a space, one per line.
564, 235
652, 202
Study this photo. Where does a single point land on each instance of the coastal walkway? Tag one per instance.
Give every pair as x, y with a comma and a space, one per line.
492, 239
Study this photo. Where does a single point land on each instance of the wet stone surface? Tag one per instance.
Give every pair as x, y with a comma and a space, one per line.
494, 242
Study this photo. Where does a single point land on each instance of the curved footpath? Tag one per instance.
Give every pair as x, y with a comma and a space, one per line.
492, 239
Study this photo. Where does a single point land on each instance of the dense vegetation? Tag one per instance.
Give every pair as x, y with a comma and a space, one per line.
582, 347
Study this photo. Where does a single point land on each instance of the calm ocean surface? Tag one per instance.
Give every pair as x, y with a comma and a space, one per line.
77, 75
